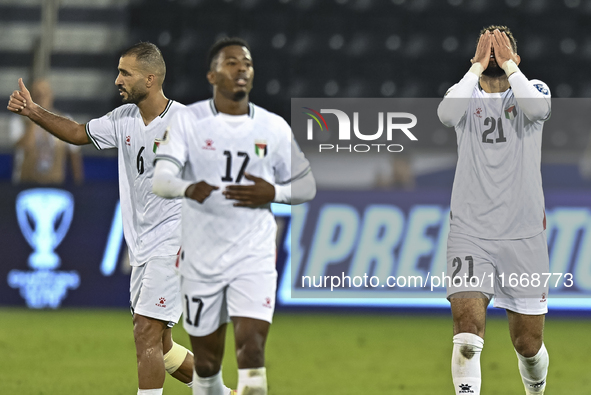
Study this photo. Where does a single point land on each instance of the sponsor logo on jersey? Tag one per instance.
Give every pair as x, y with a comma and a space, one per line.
161, 302
260, 148
465, 389
510, 113
541, 88
209, 145
478, 112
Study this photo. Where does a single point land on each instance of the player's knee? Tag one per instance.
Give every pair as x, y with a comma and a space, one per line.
468, 326
527, 346
175, 357
207, 367
251, 354
147, 332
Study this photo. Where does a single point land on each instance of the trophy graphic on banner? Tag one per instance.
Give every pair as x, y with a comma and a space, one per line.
44, 216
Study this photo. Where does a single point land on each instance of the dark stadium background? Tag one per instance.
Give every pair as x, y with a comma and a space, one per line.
399, 49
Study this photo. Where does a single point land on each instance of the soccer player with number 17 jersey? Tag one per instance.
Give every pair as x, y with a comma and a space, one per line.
230, 167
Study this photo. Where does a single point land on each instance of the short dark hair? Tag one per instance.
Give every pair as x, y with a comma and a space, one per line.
222, 43
502, 29
149, 56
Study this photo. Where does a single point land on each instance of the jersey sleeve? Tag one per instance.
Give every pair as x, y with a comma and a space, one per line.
173, 146
103, 132
452, 108
291, 161
533, 97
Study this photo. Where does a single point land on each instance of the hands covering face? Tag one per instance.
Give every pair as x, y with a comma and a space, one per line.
495, 45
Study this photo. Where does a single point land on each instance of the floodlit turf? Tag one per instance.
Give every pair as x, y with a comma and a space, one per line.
91, 352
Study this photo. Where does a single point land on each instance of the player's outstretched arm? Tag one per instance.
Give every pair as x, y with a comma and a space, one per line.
20, 102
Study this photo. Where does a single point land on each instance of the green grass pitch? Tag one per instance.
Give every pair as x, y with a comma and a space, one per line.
92, 352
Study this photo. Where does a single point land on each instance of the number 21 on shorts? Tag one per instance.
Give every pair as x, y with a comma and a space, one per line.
457, 263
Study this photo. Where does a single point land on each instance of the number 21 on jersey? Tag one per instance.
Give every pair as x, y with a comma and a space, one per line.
492, 125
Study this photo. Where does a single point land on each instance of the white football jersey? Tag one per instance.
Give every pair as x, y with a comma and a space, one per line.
151, 224
497, 191
217, 237
204, 108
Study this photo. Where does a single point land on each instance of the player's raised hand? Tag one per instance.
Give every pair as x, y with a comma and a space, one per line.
257, 194
502, 47
200, 191
20, 101
483, 50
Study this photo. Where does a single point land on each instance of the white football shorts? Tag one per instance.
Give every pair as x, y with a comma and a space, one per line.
510, 270
155, 289
210, 304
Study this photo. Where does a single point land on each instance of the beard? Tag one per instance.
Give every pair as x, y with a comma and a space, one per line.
134, 97
239, 95
493, 70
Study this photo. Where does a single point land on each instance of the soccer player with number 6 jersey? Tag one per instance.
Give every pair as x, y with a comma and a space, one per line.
230, 167
497, 218
151, 225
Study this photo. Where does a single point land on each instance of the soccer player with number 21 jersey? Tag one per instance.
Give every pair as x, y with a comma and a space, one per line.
497, 218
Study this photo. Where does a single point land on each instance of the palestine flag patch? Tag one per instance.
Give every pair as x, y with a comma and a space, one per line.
511, 113
260, 148
163, 140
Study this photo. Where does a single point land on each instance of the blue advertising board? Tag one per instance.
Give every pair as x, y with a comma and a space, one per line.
65, 248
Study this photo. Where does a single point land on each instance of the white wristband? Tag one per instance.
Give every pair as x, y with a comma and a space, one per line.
477, 69
510, 67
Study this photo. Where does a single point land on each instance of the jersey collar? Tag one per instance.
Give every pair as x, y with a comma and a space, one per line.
215, 111
168, 105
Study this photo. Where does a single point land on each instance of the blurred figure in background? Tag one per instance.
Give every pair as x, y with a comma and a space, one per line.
40, 158
399, 175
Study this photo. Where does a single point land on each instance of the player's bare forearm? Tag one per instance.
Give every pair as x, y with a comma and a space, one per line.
200, 191
254, 195
65, 129
61, 127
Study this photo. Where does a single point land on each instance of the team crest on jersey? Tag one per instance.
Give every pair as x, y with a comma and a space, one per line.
163, 140
510, 113
478, 112
127, 140
260, 148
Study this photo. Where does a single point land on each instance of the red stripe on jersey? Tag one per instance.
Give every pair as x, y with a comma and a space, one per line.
178, 255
